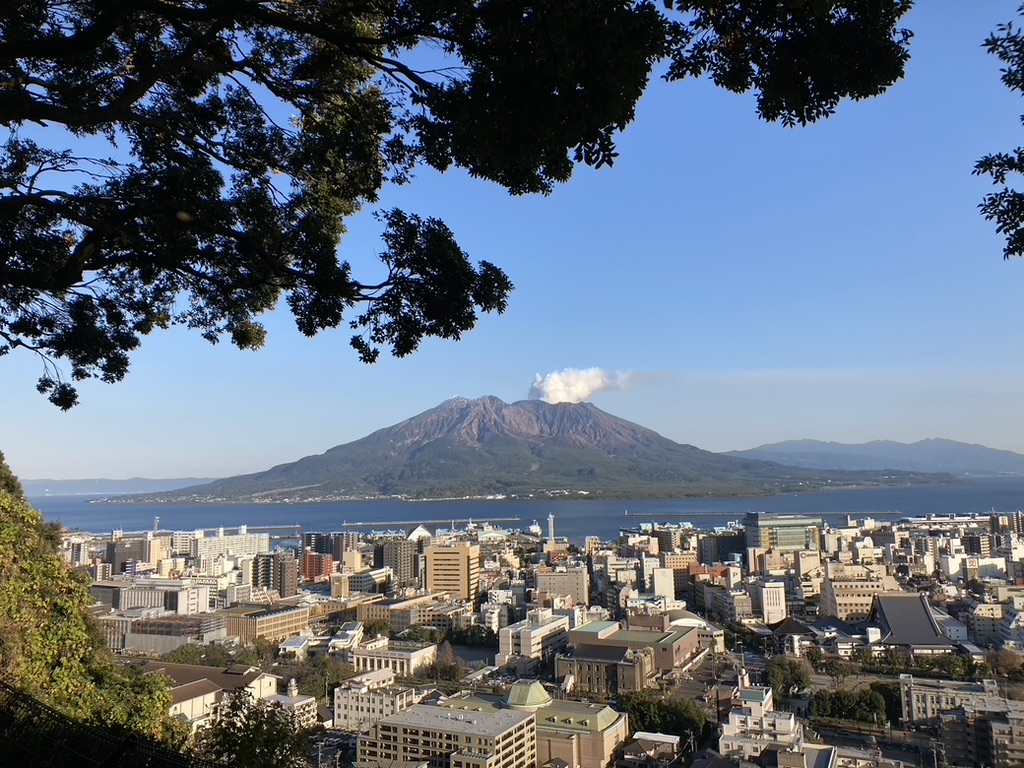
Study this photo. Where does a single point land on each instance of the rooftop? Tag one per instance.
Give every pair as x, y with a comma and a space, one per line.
444, 719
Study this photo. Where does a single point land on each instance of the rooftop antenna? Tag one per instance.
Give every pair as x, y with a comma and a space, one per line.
156, 523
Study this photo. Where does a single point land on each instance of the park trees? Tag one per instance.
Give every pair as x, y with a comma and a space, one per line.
253, 733
654, 711
194, 163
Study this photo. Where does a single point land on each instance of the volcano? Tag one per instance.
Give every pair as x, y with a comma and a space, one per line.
485, 447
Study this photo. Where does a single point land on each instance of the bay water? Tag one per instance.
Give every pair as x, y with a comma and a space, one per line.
574, 519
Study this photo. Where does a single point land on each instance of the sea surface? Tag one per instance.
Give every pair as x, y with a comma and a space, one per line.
574, 520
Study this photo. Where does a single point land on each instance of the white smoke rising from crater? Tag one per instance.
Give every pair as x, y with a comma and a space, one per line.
576, 385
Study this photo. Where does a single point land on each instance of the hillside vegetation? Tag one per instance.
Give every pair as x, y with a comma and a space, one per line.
49, 648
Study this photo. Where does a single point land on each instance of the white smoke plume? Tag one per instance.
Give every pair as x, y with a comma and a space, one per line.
575, 385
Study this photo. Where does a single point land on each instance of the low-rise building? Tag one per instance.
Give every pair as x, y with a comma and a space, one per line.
924, 699
404, 659
754, 726
444, 738
540, 636
362, 701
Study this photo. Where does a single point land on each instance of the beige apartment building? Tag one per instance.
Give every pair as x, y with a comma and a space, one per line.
539, 636
447, 739
248, 622
362, 701
849, 597
571, 581
404, 659
454, 568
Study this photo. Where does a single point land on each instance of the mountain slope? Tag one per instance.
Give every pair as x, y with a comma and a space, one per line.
486, 447
932, 455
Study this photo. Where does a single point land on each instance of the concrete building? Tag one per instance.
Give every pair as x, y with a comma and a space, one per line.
278, 571
197, 691
445, 738
539, 636
988, 732
781, 532
672, 649
454, 568
249, 622
404, 659
606, 670
767, 600
208, 545
572, 581
301, 708
924, 699
850, 599
582, 734
362, 701
755, 726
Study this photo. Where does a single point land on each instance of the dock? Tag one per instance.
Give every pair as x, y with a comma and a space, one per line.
447, 521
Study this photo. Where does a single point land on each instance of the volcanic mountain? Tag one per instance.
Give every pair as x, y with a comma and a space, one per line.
485, 447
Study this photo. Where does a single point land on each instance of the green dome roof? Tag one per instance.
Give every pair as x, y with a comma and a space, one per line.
528, 695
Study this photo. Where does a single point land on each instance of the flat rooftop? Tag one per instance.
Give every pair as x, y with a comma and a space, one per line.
446, 720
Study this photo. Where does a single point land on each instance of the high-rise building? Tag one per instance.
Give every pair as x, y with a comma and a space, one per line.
320, 543
454, 568
401, 556
278, 571
316, 566
781, 532
123, 552
572, 581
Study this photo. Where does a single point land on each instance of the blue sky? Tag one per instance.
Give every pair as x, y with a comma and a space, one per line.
758, 283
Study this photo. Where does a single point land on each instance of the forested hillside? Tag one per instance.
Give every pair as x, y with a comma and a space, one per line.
49, 648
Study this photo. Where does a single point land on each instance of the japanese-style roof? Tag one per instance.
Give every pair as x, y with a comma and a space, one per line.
906, 619
229, 679
834, 622
789, 626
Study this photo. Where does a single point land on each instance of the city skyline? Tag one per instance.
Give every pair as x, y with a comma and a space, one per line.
742, 284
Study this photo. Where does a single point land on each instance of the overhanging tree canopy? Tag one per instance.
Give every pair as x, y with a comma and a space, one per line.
237, 137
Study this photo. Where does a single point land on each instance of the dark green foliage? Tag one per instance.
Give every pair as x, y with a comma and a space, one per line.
419, 634
801, 57
9, 482
890, 693
1006, 206
865, 706
653, 711
446, 667
260, 654
218, 150
784, 674
948, 666
253, 734
377, 627
317, 676
474, 636
838, 671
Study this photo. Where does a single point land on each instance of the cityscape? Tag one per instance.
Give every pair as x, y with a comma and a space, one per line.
783, 639
608, 384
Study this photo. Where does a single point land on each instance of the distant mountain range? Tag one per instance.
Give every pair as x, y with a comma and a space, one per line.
106, 487
485, 447
933, 455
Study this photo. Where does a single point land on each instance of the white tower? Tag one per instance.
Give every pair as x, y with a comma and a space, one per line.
551, 530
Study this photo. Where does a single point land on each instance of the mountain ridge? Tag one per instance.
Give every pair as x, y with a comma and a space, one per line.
934, 454
485, 447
